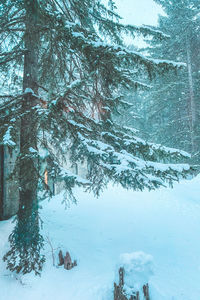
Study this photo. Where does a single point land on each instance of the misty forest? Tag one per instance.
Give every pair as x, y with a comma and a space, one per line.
99, 150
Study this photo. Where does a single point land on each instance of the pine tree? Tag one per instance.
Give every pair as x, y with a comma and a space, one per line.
174, 99
74, 66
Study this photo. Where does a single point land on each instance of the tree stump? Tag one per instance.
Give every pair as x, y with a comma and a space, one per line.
74, 263
68, 261
61, 258
146, 291
119, 293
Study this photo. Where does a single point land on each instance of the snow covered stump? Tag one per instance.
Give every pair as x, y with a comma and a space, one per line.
66, 261
134, 273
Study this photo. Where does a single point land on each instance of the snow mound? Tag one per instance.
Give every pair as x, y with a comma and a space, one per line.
138, 268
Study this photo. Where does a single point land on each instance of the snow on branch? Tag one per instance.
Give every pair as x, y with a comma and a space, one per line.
128, 168
66, 174
7, 138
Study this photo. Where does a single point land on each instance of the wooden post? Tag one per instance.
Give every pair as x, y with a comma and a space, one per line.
121, 276
119, 293
137, 296
74, 263
146, 291
67, 261
61, 259
118, 289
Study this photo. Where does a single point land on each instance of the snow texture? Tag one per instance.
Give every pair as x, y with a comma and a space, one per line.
163, 223
28, 91
7, 138
138, 269
32, 150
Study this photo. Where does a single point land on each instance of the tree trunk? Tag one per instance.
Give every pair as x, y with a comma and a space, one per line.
191, 102
26, 242
28, 129
28, 168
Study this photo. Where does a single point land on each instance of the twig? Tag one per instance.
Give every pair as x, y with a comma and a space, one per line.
52, 250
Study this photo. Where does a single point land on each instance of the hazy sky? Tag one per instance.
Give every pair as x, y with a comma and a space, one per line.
138, 12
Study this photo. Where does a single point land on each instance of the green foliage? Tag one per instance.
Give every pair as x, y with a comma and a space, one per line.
168, 108
26, 243
82, 70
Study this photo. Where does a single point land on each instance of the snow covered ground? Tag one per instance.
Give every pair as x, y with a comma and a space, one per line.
163, 223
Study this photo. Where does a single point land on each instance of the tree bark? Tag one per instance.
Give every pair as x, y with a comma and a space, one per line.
191, 102
28, 129
25, 240
27, 228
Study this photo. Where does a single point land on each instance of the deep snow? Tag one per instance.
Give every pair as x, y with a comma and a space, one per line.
164, 224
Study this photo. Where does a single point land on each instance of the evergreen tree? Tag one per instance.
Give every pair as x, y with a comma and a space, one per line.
174, 104
64, 65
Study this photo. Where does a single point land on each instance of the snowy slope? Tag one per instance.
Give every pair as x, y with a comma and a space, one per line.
163, 223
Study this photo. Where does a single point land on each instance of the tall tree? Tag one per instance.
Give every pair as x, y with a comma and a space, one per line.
64, 65
174, 97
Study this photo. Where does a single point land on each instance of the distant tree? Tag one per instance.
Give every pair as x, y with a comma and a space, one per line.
173, 105
63, 66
